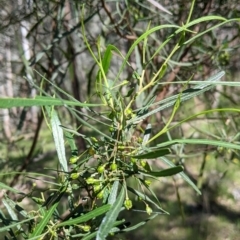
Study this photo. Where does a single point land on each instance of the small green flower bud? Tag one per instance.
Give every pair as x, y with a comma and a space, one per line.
133, 160
100, 195
220, 149
111, 129
91, 180
121, 147
148, 182
97, 188
73, 159
75, 186
94, 139
74, 175
128, 111
113, 166
125, 82
101, 168
91, 151
38, 200
148, 210
85, 228
128, 204
143, 163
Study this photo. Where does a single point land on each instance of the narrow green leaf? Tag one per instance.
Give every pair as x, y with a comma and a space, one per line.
11, 207
150, 190
107, 59
168, 102
165, 173
153, 154
147, 133
201, 141
39, 237
113, 194
10, 210
43, 223
38, 57
111, 216
183, 175
4, 186
40, 101
145, 198
92, 235
90, 215
6, 228
71, 142
139, 224
59, 140
16, 207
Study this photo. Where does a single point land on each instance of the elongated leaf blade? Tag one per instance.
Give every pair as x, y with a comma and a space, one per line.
201, 141
59, 140
111, 216
113, 195
6, 228
10, 209
153, 154
92, 235
145, 198
43, 223
90, 215
147, 133
183, 175
168, 102
40, 101
139, 224
166, 173
4, 186
107, 59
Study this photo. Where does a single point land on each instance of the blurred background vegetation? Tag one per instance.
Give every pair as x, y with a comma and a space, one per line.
45, 36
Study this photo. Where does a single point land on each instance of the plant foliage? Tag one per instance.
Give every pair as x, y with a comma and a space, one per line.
117, 165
